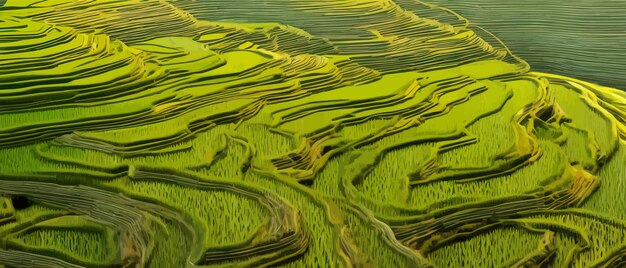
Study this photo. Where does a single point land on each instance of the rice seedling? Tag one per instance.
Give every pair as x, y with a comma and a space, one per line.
612, 187
585, 117
603, 237
513, 244
243, 218
29, 215
72, 238
324, 236
524, 180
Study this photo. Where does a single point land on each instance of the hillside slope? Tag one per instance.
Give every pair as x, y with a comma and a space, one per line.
579, 38
297, 134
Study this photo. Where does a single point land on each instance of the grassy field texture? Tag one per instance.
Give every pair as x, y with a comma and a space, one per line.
578, 38
296, 133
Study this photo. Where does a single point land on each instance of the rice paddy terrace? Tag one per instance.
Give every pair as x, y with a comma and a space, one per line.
578, 38
296, 133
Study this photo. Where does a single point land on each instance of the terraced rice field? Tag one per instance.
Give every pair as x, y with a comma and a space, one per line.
299, 134
578, 38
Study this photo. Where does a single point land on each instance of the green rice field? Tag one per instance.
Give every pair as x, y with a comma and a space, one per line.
294, 133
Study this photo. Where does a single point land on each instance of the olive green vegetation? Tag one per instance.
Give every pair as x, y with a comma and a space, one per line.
297, 134
578, 38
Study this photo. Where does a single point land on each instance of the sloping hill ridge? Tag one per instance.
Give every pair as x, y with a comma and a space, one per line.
299, 134
578, 38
